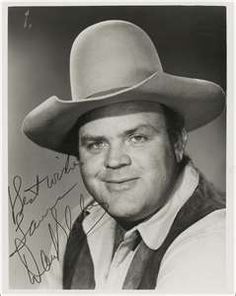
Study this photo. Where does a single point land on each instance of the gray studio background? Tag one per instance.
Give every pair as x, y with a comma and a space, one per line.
190, 42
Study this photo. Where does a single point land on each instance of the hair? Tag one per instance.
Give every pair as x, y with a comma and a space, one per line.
175, 124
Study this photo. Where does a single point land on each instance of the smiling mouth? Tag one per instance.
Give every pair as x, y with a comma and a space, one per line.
121, 185
121, 181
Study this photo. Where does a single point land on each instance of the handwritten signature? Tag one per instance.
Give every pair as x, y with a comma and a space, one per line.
27, 257
19, 202
19, 199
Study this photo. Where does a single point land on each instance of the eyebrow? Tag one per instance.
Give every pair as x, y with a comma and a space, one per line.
90, 138
133, 130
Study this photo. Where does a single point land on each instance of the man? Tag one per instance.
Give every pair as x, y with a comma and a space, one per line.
155, 222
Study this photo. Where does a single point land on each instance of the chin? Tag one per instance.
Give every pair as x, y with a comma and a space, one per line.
125, 214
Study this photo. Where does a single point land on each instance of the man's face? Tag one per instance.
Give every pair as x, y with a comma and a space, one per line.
127, 161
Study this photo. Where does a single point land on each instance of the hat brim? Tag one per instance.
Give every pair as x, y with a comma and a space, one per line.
198, 101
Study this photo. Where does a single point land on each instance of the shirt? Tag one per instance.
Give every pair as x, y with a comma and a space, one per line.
182, 266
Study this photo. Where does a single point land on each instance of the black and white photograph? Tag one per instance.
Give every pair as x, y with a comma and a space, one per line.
117, 148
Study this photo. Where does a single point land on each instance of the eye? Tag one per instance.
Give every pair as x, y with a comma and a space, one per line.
138, 138
96, 147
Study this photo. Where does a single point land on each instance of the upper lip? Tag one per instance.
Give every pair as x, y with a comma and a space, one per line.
119, 181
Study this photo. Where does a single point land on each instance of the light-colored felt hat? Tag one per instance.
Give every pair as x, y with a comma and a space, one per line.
116, 61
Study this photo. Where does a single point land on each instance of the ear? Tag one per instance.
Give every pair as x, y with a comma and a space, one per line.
179, 146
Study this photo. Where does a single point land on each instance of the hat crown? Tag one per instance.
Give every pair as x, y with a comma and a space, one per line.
111, 55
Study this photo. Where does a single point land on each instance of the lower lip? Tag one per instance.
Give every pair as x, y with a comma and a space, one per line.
119, 187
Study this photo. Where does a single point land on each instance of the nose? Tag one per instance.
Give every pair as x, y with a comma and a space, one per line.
117, 157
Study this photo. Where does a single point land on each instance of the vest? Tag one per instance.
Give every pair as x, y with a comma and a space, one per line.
78, 270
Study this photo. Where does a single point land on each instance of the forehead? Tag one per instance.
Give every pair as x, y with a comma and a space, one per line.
122, 116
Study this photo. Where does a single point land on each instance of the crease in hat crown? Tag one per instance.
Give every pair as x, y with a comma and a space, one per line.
111, 55
113, 62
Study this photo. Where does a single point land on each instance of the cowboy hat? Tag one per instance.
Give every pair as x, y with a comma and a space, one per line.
116, 61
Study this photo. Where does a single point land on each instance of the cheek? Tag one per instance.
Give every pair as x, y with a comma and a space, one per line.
157, 163
88, 173
91, 167
90, 164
